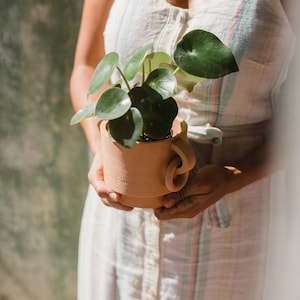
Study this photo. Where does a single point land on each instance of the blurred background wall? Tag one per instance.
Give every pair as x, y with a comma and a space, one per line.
43, 161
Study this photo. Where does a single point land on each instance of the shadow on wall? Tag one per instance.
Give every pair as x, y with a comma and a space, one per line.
43, 161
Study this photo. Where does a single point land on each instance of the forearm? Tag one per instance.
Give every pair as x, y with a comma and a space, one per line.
251, 168
274, 155
79, 83
89, 51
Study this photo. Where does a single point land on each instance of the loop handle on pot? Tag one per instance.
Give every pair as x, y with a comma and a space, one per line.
178, 169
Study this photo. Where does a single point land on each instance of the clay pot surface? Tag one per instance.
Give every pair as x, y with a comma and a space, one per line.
149, 170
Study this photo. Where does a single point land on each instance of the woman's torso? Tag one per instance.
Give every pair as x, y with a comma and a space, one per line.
256, 30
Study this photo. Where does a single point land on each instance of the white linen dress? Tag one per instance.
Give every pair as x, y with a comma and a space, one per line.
231, 250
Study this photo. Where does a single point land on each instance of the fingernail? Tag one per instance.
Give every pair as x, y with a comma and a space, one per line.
113, 196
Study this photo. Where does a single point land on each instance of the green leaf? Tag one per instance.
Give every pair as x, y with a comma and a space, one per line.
143, 98
112, 104
158, 114
103, 72
184, 79
202, 54
86, 112
158, 122
136, 61
127, 129
155, 60
163, 82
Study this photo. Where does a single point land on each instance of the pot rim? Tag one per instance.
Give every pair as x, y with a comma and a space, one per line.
102, 125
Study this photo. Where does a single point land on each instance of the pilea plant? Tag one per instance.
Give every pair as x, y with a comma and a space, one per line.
140, 106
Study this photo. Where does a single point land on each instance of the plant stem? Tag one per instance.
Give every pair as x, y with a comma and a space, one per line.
143, 73
124, 78
176, 70
149, 65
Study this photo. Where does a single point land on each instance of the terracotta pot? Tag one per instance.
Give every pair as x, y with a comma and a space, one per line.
149, 170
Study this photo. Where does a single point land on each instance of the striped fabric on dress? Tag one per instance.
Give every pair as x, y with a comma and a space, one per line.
228, 252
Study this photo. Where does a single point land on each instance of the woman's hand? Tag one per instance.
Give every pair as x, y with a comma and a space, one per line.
204, 187
96, 179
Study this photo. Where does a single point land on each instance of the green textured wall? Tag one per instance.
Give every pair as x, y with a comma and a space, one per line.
43, 161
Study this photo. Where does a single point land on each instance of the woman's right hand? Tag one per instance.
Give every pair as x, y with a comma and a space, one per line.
96, 179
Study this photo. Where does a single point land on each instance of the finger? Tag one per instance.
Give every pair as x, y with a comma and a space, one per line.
96, 179
172, 199
116, 205
109, 197
192, 188
183, 209
95, 176
186, 208
104, 191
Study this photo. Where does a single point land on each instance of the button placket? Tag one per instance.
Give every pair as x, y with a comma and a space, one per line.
151, 259
169, 38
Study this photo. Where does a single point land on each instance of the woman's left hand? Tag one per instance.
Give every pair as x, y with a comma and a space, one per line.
205, 186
